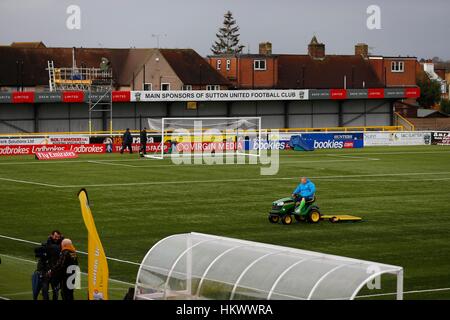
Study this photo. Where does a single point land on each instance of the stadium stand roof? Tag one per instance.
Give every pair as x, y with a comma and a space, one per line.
201, 266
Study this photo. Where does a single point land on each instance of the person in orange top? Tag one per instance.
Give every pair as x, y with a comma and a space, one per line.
63, 270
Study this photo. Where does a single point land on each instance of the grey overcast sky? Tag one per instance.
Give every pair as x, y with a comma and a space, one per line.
408, 27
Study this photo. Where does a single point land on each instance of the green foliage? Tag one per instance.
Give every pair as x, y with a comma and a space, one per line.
445, 106
227, 37
430, 92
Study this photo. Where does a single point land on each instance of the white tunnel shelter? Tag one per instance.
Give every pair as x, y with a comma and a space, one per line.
201, 266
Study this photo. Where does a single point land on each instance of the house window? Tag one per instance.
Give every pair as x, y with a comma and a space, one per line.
218, 64
147, 86
165, 86
211, 87
186, 87
397, 66
259, 64
228, 64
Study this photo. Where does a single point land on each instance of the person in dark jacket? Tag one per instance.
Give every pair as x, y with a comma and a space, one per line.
143, 140
127, 141
48, 255
67, 258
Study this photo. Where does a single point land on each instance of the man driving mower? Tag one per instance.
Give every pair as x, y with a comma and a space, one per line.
303, 193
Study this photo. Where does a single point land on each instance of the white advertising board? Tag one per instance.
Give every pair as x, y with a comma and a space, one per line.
218, 95
405, 138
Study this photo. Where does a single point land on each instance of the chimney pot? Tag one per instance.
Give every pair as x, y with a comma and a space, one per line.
362, 49
316, 50
265, 48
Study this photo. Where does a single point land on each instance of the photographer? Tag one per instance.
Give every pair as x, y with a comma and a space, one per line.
48, 255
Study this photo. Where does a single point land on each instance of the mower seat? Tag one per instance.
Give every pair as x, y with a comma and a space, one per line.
312, 200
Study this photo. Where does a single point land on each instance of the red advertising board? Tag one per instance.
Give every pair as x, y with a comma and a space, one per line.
375, 93
412, 92
338, 94
73, 96
121, 96
58, 155
20, 150
23, 97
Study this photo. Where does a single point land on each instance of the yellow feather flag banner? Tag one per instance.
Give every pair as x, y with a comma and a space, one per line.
98, 273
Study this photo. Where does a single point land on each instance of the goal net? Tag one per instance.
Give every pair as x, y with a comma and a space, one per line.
200, 136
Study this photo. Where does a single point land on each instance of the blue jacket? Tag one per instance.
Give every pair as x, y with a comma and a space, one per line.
306, 190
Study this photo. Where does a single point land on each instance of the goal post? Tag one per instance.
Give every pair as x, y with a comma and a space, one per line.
199, 135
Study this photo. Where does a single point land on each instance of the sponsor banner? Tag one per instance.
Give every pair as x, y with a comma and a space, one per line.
22, 141
68, 139
338, 94
394, 92
151, 147
121, 96
219, 95
43, 97
440, 138
23, 97
412, 92
73, 96
269, 145
56, 155
16, 150
62, 139
375, 93
96, 96
357, 94
397, 138
5, 97
209, 146
335, 140
319, 94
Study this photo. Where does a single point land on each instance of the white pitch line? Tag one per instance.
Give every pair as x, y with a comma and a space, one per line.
203, 165
171, 182
227, 180
351, 157
82, 252
113, 164
31, 182
34, 262
246, 180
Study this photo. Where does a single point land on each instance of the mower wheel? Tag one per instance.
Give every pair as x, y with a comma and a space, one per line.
274, 218
314, 216
287, 219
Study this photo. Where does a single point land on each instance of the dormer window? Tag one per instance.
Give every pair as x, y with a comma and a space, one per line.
259, 64
398, 66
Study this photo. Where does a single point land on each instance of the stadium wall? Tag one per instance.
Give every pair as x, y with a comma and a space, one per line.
73, 117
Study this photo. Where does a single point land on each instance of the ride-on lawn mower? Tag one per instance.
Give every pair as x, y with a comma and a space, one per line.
285, 209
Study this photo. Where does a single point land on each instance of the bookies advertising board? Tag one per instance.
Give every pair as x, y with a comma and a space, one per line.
316, 140
334, 140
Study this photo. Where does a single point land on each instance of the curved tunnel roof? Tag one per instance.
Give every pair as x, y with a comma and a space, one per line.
201, 266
